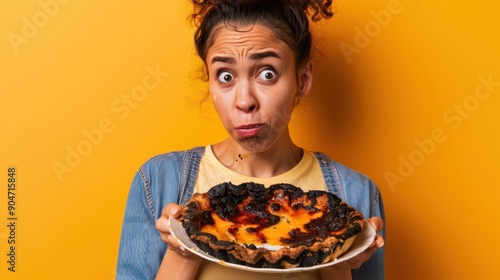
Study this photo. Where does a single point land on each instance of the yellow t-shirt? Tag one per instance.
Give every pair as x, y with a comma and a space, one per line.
306, 174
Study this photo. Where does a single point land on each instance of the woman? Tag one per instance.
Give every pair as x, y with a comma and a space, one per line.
257, 58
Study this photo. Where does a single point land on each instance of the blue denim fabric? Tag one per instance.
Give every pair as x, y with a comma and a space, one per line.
170, 178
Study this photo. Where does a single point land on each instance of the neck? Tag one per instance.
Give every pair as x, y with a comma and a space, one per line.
278, 159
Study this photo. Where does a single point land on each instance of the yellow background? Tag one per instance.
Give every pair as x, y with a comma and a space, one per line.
391, 107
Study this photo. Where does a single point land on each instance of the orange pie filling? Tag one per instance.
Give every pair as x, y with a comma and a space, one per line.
236, 223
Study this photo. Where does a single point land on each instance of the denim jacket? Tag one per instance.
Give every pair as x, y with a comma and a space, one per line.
170, 178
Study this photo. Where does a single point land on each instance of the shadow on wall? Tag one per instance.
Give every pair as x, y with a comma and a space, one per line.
335, 108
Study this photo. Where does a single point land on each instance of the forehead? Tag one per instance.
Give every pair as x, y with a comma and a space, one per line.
245, 40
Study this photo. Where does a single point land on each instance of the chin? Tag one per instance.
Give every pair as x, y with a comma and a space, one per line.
254, 144
257, 144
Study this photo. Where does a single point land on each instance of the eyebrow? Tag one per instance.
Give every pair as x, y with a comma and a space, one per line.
257, 56
254, 56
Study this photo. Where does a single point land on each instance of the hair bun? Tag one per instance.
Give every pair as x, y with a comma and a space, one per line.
321, 9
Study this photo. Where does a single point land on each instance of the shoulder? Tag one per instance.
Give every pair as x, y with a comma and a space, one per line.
160, 178
352, 186
345, 173
170, 160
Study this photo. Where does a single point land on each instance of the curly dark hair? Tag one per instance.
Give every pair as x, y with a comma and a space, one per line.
288, 19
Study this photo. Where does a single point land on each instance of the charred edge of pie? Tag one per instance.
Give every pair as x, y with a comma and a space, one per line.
305, 249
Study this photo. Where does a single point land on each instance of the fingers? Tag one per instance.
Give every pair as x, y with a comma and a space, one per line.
172, 209
378, 242
334, 272
357, 261
174, 244
163, 227
377, 223
162, 224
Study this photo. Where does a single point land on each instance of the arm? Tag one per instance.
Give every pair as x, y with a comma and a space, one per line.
178, 264
141, 248
175, 266
343, 269
374, 268
370, 264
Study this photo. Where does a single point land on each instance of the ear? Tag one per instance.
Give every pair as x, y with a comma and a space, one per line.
305, 79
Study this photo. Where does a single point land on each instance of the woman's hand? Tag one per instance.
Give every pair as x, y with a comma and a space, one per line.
178, 263
343, 270
171, 210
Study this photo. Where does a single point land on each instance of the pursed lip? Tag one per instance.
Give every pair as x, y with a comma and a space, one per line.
249, 130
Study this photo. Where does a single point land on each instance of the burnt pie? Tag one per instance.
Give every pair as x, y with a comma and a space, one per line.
277, 227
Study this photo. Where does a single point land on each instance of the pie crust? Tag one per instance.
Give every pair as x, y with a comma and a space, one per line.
277, 227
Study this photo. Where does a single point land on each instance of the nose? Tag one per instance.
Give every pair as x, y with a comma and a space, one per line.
245, 100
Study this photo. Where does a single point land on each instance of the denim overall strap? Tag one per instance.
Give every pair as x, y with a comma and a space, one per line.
331, 175
190, 167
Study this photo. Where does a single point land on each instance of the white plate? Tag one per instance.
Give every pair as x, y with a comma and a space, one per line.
363, 240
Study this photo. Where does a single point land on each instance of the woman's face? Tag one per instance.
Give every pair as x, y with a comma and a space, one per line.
253, 82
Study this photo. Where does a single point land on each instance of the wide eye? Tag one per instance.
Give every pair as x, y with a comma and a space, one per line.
225, 77
267, 75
